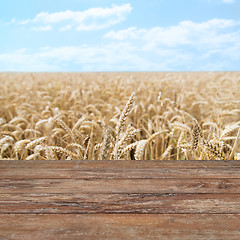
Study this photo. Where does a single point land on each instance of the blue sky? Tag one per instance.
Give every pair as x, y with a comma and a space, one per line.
129, 35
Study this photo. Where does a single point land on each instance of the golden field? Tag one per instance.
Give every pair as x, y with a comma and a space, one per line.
150, 116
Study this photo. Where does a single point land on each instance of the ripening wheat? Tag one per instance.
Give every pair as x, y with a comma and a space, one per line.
137, 116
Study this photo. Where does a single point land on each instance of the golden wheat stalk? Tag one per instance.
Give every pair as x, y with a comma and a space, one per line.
63, 151
78, 123
235, 145
105, 145
122, 120
65, 127
229, 129
128, 149
129, 133
166, 154
34, 156
213, 149
141, 146
35, 142
49, 154
19, 147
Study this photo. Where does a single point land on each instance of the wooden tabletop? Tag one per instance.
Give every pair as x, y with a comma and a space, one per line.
119, 200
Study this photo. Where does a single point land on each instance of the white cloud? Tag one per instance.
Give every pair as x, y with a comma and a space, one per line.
129, 33
212, 32
65, 28
228, 1
21, 60
90, 19
187, 43
24, 21
42, 28
121, 57
210, 45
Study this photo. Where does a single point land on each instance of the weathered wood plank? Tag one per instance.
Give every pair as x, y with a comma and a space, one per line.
120, 226
13, 173
117, 169
120, 203
113, 164
119, 200
168, 185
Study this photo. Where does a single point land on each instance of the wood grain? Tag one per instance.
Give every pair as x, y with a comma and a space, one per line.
167, 185
118, 169
119, 200
120, 203
120, 226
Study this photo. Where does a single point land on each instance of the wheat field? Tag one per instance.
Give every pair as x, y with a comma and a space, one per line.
113, 116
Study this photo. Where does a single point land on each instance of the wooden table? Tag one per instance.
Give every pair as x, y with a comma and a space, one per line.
119, 200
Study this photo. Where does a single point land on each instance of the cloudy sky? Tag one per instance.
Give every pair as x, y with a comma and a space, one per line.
121, 35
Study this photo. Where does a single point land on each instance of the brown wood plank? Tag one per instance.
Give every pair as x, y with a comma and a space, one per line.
169, 185
113, 164
51, 173
120, 203
117, 169
119, 200
120, 226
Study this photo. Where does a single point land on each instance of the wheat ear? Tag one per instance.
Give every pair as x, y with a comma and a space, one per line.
20, 146
235, 145
64, 126
35, 142
228, 130
213, 149
141, 146
167, 152
105, 145
64, 151
179, 143
76, 145
49, 154
33, 156
78, 123
130, 132
128, 148
122, 120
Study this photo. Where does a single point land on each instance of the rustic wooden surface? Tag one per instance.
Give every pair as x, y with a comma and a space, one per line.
119, 200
